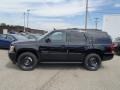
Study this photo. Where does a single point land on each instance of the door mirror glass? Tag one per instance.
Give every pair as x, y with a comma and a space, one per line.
47, 40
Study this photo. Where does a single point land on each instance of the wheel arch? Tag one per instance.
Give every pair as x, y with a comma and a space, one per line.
96, 51
27, 50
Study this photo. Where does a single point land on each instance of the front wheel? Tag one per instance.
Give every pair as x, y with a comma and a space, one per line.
27, 61
92, 62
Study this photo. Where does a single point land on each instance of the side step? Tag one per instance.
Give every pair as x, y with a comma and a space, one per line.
61, 62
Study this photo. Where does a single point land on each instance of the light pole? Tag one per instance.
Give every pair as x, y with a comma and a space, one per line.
24, 21
96, 23
86, 15
28, 10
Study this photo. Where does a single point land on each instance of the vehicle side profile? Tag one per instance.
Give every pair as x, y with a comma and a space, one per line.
7, 39
67, 46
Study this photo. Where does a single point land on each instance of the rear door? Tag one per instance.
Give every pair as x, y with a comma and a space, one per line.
77, 46
4, 43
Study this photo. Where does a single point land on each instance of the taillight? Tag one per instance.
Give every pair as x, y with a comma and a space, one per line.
115, 45
112, 47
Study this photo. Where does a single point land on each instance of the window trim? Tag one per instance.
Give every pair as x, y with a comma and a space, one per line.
65, 40
70, 40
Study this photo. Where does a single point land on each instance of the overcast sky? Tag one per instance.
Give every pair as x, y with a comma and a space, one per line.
49, 14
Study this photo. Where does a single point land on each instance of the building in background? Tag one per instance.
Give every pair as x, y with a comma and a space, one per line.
111, 24
16, 29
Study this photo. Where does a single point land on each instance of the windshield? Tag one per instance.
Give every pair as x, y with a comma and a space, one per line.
42, 36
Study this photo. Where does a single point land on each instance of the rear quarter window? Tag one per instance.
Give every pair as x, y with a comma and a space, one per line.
100, 37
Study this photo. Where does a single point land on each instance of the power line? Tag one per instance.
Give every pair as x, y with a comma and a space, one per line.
107, 12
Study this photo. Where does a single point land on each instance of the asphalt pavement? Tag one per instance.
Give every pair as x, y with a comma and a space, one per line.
59, 77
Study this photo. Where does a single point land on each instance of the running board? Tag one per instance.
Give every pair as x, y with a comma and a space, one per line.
61, 62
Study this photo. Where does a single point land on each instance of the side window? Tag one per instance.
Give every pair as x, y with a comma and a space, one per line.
2, 36
58, 37
99, 37
77, 37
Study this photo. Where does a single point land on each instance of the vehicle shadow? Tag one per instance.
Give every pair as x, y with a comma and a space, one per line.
51, 66
117, 55
57, 66
4, 49
10, 65
65, 66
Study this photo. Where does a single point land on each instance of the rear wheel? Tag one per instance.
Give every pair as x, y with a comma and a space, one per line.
27, 61
92, 62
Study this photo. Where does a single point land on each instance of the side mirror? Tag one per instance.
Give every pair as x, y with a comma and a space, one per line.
47, 40
14, 40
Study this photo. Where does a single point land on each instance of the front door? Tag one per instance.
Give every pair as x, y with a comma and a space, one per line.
53, 47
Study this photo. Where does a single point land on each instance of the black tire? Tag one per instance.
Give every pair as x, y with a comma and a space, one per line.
27, 61
117, 53
92, 62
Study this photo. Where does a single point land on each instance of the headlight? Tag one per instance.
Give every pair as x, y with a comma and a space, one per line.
12, 48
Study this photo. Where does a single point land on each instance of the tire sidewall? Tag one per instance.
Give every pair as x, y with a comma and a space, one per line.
34, 58
86, 62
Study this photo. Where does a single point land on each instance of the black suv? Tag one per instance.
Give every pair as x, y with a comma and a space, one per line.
66, 46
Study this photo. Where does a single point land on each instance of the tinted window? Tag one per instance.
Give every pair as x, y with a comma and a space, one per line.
77, 37
99, 37
57, 36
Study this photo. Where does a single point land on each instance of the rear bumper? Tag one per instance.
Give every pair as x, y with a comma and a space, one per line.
12, 57
108, 56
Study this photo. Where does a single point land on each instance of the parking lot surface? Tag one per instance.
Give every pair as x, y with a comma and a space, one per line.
59, 77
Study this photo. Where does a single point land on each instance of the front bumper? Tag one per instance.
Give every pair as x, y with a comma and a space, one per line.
108, 56
12, 56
